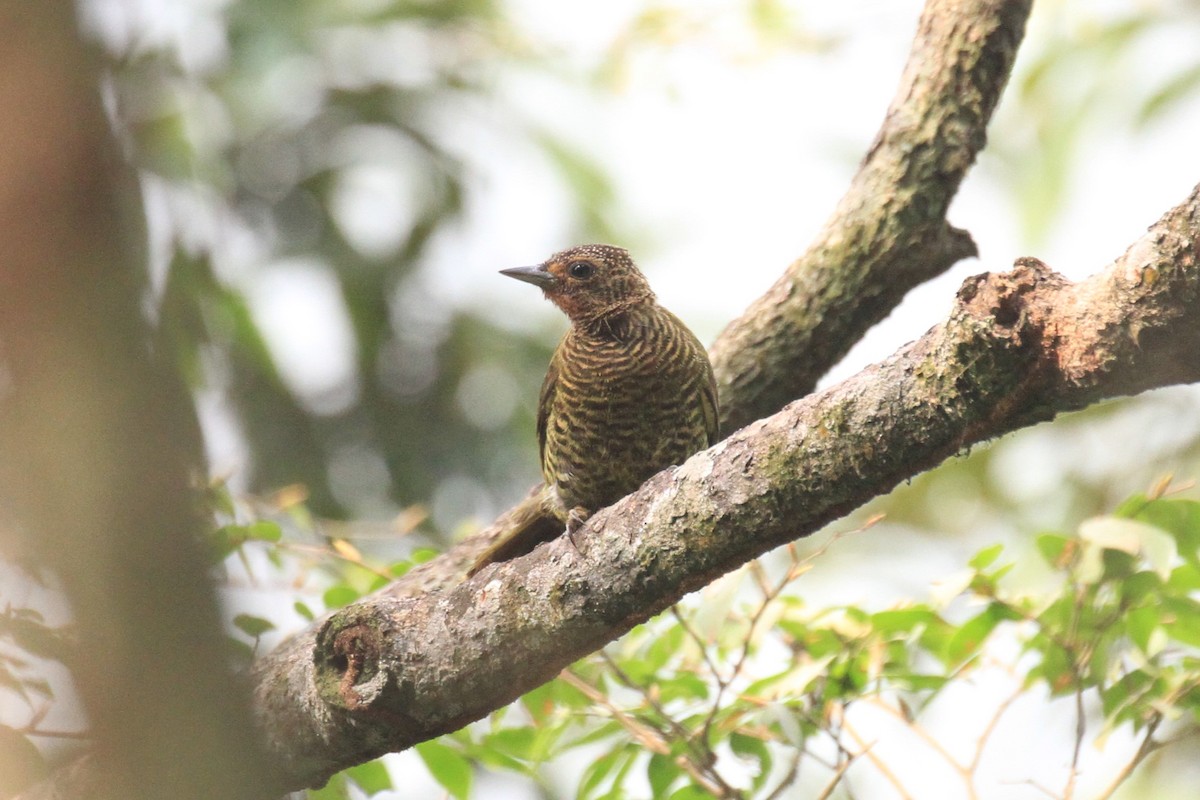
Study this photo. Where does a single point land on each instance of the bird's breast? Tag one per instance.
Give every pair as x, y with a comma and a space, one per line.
625, 407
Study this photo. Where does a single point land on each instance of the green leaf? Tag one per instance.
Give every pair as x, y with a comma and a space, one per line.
253, 627
662, 772
607, 730
372, 777
27, 630
1179, 518
304, 611
1118, 564
662, 649
1169, 95
1126, 699
1132, 505
596, 773
220, 499
1140, 585
1055, 667
448, 767
336, 789
683, 686
1184, 578
264, 531
1181, 619
904, 620
239, 651
1058, 551
691, 792
1141, 624
971, 635
515, 742
617, 792
984, 558
339, 596
423, 554
919, 682
753, 749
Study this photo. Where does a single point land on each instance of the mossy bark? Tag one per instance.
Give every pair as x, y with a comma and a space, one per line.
1018, 348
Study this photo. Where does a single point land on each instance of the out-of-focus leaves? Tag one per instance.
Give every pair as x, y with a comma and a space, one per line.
1117, 625
26, 629
1079, 80
339, 596
1176, 89
252, 626
252, 151
372, 777
448, 767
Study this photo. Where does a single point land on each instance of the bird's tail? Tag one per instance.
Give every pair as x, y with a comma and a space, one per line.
532, 522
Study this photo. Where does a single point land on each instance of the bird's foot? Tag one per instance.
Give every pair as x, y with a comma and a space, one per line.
575, 519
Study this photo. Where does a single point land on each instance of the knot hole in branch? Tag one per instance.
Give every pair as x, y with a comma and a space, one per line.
347, 662
1005, 296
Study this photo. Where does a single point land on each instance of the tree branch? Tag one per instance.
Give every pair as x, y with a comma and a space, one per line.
889, 232
1018, 348
887, 235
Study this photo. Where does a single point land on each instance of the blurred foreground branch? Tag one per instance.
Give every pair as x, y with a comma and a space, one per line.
99, 443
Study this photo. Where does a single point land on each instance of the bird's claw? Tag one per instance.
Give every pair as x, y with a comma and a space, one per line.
575, 519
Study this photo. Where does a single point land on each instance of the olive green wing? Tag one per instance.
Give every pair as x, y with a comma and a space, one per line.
709, 407
545, 402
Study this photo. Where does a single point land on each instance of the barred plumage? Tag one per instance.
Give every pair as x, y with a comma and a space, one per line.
629, 392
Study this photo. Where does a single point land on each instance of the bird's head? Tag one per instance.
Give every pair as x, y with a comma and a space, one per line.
588, 282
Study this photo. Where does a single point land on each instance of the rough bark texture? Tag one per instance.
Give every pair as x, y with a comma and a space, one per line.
431, 653
889, 233
1018, 348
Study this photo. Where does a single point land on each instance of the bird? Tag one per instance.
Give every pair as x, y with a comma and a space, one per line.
629, 392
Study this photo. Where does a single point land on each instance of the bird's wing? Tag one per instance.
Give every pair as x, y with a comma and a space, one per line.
545, 401
708, 404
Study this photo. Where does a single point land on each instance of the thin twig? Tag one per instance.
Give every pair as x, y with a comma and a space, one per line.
678, 729
1080, 731
879, 763
984, 737
646, 736
836, 778
788, 779
920, 731
652, 739
698, 639
333, 552
1147, 747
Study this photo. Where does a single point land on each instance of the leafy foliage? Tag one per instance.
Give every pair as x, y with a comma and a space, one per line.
742, 693
284, 145
1065, 91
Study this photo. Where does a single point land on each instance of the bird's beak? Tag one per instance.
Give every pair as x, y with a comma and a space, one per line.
538, 276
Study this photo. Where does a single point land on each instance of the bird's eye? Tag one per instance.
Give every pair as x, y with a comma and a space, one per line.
581, 270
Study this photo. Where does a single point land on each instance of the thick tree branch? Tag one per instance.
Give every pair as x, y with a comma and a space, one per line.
889, 233
1018, 348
